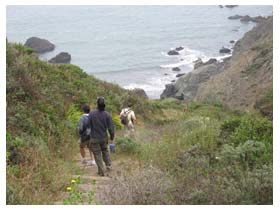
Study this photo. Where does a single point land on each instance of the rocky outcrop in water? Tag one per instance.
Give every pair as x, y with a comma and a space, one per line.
225, 50
172, 52
176, 69
179, 48
39, 45
179, 75
231, 6
247, 18
235, 17
62, 57
176, 51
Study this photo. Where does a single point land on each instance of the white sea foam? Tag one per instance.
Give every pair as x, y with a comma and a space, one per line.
220, 58
153, 86
186, 57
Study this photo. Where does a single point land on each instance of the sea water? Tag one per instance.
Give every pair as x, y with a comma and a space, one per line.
128, 45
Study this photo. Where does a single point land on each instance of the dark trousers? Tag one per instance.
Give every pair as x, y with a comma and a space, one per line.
99, 148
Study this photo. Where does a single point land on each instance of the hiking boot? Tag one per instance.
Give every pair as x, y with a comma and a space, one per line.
101, 173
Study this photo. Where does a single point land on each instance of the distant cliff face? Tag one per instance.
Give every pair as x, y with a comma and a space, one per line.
240, 81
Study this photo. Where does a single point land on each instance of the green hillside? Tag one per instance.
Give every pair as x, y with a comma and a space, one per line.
43, 107
192, 153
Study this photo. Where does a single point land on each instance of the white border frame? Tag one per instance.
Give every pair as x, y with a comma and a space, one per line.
276, 93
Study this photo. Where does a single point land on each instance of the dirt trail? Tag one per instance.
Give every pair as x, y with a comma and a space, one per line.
88, 181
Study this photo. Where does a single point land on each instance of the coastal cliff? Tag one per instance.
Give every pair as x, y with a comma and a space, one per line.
243, 80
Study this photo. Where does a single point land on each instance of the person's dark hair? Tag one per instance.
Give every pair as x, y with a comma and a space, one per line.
101, 103
86, 109
129, 104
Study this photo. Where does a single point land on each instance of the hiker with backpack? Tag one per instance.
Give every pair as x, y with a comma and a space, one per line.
128, 119
100, 122
84, 132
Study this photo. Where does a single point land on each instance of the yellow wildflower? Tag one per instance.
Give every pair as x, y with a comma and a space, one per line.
69, 188
73, 181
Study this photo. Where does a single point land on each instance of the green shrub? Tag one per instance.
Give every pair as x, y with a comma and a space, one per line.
117, 121
23, 49
74, 114
167, 103
14, 146
9, 55
228, 127
253, 128
249, 154
126, 145
194, 105
257, 186
11, 196
265, 104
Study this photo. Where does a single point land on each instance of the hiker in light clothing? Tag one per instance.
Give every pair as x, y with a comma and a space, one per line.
128, 118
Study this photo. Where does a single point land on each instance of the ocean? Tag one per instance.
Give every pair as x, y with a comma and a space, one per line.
128, 45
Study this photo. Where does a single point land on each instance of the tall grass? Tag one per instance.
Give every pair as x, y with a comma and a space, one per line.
204, 160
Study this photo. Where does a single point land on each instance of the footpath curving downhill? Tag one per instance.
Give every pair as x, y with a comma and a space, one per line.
84, 187
89, 188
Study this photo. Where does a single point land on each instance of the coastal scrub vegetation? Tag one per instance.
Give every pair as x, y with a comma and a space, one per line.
212, 158
197, 153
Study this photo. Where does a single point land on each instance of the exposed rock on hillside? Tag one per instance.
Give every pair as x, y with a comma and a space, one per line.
187, 85
169, 91
198, 63
139, 92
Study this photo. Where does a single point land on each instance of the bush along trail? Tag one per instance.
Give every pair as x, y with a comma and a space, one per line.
195, 153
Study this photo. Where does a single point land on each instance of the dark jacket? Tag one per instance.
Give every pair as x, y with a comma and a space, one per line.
100, 122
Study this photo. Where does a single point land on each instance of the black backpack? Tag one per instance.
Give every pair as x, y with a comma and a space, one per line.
85, 133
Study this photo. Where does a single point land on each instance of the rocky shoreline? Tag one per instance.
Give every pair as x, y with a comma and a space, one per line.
247, 18
189, 87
